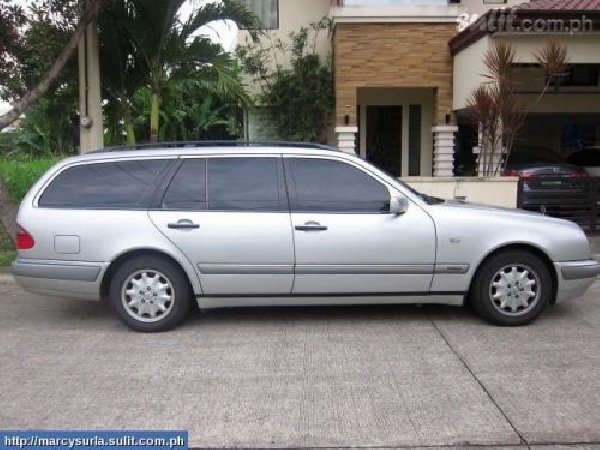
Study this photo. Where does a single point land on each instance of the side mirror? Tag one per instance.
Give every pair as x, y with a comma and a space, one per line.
398, 205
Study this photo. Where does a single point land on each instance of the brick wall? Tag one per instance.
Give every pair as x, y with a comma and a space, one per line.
393, 55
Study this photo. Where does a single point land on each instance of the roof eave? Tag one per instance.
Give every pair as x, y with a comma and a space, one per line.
476, 31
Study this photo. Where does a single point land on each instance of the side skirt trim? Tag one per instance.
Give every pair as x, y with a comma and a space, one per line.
342, 294
453, 299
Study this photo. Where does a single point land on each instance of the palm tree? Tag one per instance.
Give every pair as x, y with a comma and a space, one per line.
168, 47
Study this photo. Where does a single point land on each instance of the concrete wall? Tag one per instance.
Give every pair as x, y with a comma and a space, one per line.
581, 47
467, 71
497, 191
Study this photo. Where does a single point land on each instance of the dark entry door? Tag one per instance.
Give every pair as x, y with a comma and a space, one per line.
384, 138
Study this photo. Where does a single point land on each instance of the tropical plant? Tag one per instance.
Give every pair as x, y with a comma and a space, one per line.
497, 108
554, 62
123, 71
49, 128
170, 48
298, 97
189, 110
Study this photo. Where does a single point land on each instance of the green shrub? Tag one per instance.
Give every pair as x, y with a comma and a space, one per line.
19, 175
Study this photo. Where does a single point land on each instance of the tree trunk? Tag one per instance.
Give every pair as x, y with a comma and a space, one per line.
129, 128
130, 133
154, 117
33, 95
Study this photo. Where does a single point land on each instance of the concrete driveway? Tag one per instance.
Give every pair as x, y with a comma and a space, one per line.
328, 377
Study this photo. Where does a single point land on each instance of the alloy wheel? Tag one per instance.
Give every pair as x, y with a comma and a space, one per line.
515, 289
148, 295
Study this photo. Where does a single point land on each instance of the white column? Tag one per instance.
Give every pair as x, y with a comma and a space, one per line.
443, 150
346, 137
91, 130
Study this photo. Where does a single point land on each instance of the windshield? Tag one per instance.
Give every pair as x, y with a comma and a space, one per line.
429, 199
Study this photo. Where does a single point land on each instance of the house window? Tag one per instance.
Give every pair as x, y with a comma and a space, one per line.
582, 75
267, 11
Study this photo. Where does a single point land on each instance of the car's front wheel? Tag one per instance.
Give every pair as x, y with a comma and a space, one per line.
150, 294
512, 288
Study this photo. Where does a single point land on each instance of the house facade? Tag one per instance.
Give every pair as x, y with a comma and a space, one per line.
404, 70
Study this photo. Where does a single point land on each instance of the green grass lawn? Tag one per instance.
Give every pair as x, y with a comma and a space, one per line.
7, 248
19, 175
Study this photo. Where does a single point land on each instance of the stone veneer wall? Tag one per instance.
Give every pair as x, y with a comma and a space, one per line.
392, 55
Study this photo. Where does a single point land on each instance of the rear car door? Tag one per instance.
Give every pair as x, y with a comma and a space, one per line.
346, 239
230, 216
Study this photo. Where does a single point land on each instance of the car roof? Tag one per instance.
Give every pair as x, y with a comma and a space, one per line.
209, 148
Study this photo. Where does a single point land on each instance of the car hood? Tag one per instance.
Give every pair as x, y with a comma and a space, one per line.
456, 207
480, 228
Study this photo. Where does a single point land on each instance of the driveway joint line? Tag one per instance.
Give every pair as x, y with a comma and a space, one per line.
436, 446
487, 392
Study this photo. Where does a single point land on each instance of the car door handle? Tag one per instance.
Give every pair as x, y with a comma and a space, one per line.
311, 226
183, 224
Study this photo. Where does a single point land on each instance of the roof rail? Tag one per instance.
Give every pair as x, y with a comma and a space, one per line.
195, 144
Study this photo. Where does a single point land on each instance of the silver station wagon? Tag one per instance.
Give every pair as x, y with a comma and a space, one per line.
153, 229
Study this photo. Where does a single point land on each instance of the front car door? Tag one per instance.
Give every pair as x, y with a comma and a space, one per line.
230, 216
346, 239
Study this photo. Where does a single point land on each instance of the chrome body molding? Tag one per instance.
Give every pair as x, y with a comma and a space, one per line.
451, 268
364, 269
248, 269
56, 270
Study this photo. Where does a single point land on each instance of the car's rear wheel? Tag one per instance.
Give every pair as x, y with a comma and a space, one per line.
512, 288
150, 294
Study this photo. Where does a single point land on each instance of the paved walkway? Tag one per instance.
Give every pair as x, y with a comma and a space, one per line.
344, 376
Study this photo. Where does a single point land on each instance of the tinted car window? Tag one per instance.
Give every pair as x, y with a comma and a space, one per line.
127, 184
243, 184
187, 190
587, 157
327, 185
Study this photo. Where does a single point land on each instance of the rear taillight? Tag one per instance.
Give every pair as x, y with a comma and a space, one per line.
579, 175
518, 173
23, 240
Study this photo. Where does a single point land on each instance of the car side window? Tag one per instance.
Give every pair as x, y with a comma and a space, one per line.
245, 184
187, 189
121, 184
227, 184
325, 185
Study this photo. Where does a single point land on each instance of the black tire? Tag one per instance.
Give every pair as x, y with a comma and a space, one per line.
180, 292
491, 309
